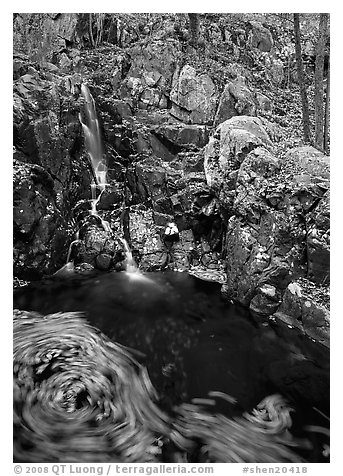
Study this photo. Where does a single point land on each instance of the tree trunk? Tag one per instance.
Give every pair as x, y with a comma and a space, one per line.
194, 23
301, 79
327, 114
318, 82
90, 29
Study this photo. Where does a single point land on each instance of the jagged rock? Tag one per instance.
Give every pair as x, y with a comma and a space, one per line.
39, 35
47, 131
301, 309
235, 100
228, 147
260, 256
266, 300
254, 173
144, 143
148, 80
103, 261
97, 246
111, 196
318, 242
261, 37
149, 180
194, 96
145, 238
182, 136
268, 234
39, 238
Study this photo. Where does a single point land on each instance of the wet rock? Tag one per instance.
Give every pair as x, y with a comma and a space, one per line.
97, 246
180, 259
235, 100
194, 96
261, 37
266, 300
103, 261
301, 309
110, 197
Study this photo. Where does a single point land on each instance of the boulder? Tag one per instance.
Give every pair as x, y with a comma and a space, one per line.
97, 246
193, 96
260, 37
228, 147
266, 300
279, 230
183, 136
235, 100
254, 173
301, 308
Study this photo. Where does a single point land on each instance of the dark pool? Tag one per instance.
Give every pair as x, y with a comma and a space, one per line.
193, 342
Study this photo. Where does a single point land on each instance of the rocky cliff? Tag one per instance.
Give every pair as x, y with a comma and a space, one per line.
190, 138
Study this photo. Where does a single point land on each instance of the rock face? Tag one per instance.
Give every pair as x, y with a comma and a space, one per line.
47, 134
301, 309
39, 34
176, 151
226, 150
318, 242
39, 236
268, 203
193, 96
235, 100
148, 81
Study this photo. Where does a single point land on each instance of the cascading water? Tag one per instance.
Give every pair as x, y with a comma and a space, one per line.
91, 130
70, 249
92, 133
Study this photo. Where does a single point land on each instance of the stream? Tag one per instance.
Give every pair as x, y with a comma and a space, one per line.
192, 342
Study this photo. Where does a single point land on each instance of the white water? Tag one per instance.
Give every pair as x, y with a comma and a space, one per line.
70, 248
92, 133
132, 270
91, 130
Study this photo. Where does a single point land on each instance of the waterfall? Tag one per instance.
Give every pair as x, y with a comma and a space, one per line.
91, 129
131, 266
92, 133
70, 249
